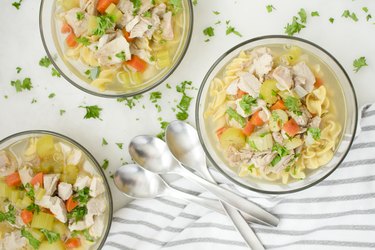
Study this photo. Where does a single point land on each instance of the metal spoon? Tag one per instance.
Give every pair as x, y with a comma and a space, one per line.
138, 183
184, 144
153, 154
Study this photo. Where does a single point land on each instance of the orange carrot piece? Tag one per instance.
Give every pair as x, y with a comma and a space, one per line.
291, 127
249, 128
71, 204
13, 180
137, 63
256, 120
220, 131
127, 36
318, 82
240, 93
71, 40
73, 243
103, 5
37, 179
278, 105
65, 28
27, 216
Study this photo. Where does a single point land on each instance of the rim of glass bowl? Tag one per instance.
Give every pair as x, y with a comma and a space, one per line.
120, 95
87, 154
200, 133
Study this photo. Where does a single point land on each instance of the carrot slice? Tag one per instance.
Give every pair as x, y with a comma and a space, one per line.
103, 5
13, 180
240, 93
71, 204
27, 216
249, 128
291, 127
71, 40
65, 28
256, 120
73, 243
37, 179
278, 105
127, 36
318, 82
220, 131
137, 63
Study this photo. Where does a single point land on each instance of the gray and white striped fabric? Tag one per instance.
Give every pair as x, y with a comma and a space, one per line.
338, 213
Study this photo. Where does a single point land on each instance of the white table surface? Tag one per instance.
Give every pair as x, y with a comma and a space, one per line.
20, 45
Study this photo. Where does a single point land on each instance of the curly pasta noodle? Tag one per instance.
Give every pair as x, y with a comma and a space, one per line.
88, 57
105, 77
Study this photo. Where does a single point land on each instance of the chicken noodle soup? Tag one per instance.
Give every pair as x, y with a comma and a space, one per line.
272, 113
51, 196
120, 45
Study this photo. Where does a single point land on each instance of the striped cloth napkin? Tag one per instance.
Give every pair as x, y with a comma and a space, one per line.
338, 213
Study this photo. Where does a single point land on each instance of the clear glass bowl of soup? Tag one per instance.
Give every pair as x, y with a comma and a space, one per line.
290, 51
53, 186
80, 65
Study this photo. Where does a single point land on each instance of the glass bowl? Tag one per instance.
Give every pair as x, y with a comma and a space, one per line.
344, 99
54, 46
12, 139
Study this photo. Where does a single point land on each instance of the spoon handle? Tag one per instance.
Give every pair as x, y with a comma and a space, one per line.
205, 202
230, 197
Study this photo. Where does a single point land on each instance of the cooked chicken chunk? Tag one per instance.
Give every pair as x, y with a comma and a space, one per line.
140, 28
13, 241
57, 207
82, 182
166, 26
97, 229
79, 26
26, 174
249, 84
6, 165
96, 187
96, 206
303, 76
50, 183
283, 76
65, 190
107, 54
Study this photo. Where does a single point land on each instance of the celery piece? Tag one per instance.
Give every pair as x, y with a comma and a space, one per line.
36, 233
124, 77
92, 24
42, 220
60, 228
4, 190
14, 195
233, 137
45, 146
57, 245
39, 194
70, 4
163, 59
269, 91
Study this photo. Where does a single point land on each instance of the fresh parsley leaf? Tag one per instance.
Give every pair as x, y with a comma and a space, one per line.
92, 112
315, 13
314, 132
121, 55
85, 234
185, 101
293, 104
275, 160
104, 142
352, 15
231, 29
154, 96
52, 95
275, 116
368, 17
54, 72
365, 9
62, 111
120, 145
9, 216
50, 235
302, 15
17, 5
168, 86
78, 213
163, 126
83, 40
209, 31
281, 150
176, 4
26, 84
82, 196
32, 241
331, 19
235, 116
45, 62
105, 164
270, 8
294, 27
80, 15
30, 191
130, 101
136, 6
216, 12
33, 208
359, 63
247, 102
18, 69
34, 101
105, 22
93, 73
147, 14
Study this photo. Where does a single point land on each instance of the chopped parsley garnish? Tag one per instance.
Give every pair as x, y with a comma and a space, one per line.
302, 15
62, 112
104, 22
52, 95
247, 102
8, 216
262, 135
93, 73
30, 191
315, 13
235, 116
83, 40
368, 17
34, 101
130, 101
121, 55
365, 9
147, 14
45, 62
275, 116
168, 86
104, 142
359, 63
50, 235
32, 241
293, 104
85, 234
82, 196
331, 19
154, 96
105, 164
294, 27
120, 145
230, 29
209, 31
80, 15
33, 208
78, 213
163, 126
216, 12
281, 152
185, 101
26, 84
270, 8
136, 6
92, 112
54, 72
314, 132
176, 4
251, 167
275, 160
18, 69
352, 15
17, 5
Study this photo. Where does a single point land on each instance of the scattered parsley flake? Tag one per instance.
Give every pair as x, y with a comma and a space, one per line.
315, 133
359, 63
163, 126
365, 9
168, 86
176, 4
154, 96
216, 12
32, 241
121, 55
92, 112
183, 105
294, 27
247, 102
26, 84
52, 95
18, 69
130, 101
54, 72
62, 112
209, 31
17, 5
93, 73
270, 8
105, 164
34, 101
120, 145
235, 116
50, 235
315, 13
352, 15
293, 104
80, 15
83, 40
231, 29
331, 20
45, 62
368, 17
104, 142
104, 22
8, 216
302, 15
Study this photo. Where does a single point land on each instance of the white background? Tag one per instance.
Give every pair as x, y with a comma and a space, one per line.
20, 45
